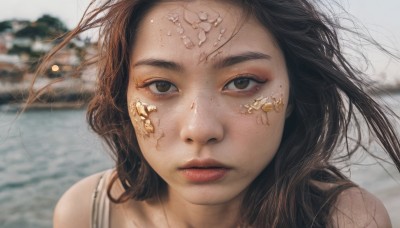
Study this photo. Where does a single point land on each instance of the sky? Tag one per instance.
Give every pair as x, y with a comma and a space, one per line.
381, 18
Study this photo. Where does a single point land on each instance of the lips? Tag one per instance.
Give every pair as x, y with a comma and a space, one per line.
203, 171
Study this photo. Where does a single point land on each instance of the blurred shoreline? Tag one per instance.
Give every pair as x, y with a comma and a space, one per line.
384, 89
69, 93
75, 93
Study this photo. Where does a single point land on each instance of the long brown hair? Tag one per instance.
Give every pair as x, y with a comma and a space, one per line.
326, 93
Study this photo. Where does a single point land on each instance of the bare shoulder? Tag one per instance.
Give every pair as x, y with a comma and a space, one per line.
356, 207
74, 207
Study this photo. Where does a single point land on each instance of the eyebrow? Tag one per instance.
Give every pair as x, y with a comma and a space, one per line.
221, 63
243, 57
169, 65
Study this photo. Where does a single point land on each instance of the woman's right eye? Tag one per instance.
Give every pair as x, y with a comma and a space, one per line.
162, 87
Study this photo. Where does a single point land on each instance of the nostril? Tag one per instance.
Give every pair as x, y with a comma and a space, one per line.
212, 140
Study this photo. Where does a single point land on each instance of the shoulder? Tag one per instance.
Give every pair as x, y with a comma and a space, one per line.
356, 207
74, 207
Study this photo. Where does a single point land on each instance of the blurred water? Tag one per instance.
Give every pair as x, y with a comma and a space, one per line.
380, 178
45, 152
41, 155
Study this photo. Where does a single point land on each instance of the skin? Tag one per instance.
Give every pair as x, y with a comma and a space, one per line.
216, 126
201, 115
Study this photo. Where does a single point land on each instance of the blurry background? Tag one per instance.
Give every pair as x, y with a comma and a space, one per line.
49, 147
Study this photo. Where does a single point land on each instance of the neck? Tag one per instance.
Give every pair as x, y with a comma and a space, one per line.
181, 213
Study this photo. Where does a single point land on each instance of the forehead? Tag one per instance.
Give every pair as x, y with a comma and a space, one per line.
193, 30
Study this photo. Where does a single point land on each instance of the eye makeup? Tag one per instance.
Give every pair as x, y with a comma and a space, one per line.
157, 88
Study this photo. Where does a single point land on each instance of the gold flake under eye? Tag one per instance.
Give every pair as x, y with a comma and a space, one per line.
266, 104
140, 112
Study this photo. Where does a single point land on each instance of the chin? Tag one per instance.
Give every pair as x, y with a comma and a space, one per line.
199, 195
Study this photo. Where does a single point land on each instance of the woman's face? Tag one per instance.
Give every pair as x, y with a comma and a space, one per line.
207, 98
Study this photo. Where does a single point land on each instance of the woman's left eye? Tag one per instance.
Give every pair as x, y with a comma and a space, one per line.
241, 84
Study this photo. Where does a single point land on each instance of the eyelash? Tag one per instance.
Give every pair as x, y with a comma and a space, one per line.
252, 80
153, 91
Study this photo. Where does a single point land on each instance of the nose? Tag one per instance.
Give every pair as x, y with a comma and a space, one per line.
201, 124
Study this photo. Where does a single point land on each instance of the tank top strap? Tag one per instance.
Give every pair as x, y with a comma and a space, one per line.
101, 203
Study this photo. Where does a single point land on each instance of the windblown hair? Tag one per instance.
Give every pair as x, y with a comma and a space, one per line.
327, 96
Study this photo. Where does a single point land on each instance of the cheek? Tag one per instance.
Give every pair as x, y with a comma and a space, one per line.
259, 133
265, 117
140, 116
256, 142
144, 118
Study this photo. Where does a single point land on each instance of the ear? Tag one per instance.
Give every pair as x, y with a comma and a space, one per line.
289, 110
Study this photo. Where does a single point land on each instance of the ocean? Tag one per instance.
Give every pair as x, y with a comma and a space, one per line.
42, 153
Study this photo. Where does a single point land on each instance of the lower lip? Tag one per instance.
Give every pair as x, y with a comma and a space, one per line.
204, 175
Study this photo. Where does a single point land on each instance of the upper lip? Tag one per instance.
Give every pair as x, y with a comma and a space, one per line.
203, 163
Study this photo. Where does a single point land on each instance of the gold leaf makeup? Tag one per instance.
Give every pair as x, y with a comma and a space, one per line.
266, 104
140, 111
202, 22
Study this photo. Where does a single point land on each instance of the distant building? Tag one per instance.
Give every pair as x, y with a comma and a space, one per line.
64, 63
6, 42
23, 42
40, 46
3, 47
12, 59
19, 24
67, 57
11, 68
18, 46
79, 43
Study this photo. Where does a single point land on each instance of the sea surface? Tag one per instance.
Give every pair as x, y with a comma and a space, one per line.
42, 153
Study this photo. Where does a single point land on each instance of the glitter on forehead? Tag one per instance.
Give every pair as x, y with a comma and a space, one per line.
203, 16
202, 22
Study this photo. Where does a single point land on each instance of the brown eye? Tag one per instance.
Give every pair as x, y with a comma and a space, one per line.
161, 87
241, 83
244, 84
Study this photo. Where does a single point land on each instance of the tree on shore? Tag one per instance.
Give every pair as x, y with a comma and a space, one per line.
45, 27
5, 25
34, 38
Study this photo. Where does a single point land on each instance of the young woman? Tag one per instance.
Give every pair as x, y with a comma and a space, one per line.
224, 114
